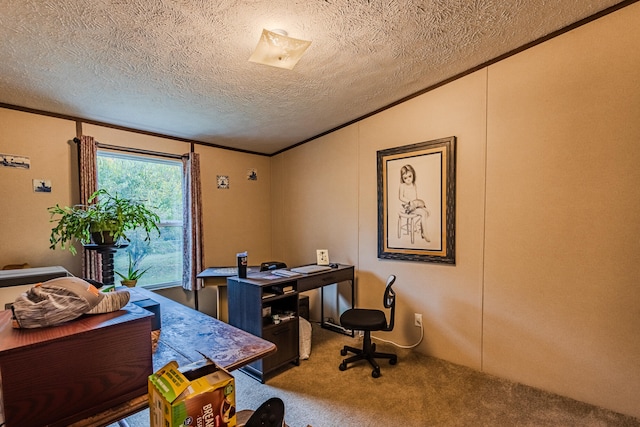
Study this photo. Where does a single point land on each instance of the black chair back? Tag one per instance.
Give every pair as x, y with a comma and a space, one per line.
390, 302
269, 414
367, 321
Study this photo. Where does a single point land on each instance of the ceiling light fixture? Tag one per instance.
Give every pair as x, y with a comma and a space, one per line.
276, 49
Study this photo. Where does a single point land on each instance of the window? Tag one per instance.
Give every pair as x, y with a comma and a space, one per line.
158, 184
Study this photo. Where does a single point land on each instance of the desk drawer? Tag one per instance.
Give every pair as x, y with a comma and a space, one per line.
314, 281
285, 337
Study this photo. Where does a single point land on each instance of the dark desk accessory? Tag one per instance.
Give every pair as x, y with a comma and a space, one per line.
242, 265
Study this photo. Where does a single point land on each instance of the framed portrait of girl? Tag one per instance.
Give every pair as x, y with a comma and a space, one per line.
416, 201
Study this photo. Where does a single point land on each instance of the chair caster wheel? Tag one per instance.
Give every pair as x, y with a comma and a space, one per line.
343, 352
393, 361
343, 366
375, 373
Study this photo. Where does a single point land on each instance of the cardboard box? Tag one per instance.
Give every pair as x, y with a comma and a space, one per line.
200, 395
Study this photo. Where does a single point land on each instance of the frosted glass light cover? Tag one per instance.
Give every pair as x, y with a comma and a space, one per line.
278, 50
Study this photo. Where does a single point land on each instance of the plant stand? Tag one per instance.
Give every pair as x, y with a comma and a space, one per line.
107, 252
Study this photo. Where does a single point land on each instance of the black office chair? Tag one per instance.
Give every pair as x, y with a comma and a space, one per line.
272, 265
362, 319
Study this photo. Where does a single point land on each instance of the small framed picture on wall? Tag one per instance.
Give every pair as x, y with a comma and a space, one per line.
42, 186
222, 182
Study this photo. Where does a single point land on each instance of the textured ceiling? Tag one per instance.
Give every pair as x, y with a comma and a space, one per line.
180, 67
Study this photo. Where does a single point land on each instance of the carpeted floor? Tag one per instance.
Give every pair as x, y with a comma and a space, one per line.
419, 391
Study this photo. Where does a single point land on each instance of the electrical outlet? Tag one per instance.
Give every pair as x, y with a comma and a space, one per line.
417, 319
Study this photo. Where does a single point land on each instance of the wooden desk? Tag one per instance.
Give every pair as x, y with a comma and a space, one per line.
185, 333
249, 298
218, 276
307, 282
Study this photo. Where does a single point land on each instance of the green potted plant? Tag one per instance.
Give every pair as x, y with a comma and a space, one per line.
104, 220
133, 274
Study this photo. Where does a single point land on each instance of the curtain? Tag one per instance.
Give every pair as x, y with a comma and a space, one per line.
87, 154
193, 256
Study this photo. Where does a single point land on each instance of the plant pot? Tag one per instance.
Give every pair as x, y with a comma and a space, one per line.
102, 238
129, 283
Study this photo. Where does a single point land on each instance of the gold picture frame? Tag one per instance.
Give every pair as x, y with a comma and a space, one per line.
416, 201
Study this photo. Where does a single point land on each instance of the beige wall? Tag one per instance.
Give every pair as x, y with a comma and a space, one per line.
237, 219
545, 288
561, 306
24, 220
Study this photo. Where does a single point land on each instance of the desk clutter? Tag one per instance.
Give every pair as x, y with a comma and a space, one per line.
272, 291
277, 309
285, 273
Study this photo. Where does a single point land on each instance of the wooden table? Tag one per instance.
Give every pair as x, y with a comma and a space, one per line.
186, 335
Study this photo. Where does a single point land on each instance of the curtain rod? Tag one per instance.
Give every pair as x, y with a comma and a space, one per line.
134, 150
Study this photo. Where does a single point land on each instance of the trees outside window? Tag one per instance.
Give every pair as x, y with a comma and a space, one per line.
158, 184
